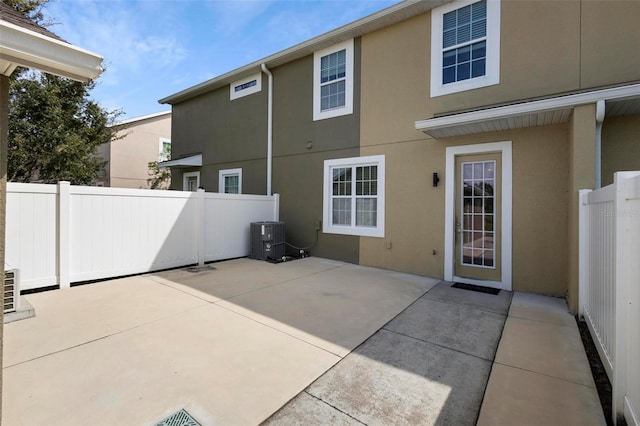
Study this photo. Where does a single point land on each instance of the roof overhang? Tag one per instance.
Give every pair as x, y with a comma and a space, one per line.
22, 47
190, 161
391, 15
622, 100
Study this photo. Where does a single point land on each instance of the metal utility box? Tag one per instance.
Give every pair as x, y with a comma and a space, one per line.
267, 240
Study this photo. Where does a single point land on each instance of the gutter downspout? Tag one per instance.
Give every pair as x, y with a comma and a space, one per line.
269, 128
599, 120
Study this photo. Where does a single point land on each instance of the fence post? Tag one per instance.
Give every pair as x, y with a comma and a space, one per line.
64, 234
276, 207
200, 227
583, 249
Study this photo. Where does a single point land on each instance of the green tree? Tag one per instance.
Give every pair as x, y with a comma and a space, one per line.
55, 130
31, 9
160, 176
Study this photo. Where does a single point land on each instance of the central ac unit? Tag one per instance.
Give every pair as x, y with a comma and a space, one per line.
11, 290
267, 240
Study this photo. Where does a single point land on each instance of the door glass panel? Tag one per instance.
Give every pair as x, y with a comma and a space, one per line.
478, 206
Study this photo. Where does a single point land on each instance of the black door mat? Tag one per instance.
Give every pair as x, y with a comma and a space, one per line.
477, 288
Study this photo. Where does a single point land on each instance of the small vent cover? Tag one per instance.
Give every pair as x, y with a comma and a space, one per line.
11, 291
180, 418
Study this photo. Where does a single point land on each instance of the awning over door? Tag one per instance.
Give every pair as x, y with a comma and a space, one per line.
190, 161
543, 112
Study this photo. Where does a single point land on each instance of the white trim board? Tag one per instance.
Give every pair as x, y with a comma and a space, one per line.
504, 148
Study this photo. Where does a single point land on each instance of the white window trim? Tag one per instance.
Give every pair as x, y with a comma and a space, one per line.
348, 107
249, 90
327, 227
492, 75
229, 172
185, 179
161, 143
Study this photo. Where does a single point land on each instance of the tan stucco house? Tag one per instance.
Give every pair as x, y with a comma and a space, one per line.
441, 138
140, 141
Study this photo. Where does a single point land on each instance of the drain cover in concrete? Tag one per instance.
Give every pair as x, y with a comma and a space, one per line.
180, 418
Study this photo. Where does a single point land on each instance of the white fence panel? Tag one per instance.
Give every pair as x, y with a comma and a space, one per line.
599, 301
31, 233
227, 223
630, 297
610, 284
127, 231
58, 234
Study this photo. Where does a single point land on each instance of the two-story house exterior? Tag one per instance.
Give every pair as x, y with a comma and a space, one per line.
446, 139
140, 140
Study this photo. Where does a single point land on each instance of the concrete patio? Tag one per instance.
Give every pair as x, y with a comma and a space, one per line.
314, 341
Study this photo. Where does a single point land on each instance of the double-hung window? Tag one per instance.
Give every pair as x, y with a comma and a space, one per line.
333, 81
465, 46
354, 196
230, 181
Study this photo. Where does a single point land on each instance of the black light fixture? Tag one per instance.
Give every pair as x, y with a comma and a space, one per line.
436, 179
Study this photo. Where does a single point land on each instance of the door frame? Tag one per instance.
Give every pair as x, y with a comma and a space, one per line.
503, 148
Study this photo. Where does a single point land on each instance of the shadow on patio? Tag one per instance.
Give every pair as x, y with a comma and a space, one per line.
233, 344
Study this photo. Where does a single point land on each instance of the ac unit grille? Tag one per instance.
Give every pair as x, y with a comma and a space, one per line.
11, 291
267, 240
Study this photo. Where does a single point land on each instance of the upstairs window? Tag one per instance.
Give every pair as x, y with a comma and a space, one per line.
165, 150
333, 81
465, 46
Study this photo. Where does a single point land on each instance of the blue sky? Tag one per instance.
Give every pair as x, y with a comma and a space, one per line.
154, 48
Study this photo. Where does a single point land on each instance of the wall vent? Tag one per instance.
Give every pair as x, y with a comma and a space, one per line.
11, 290
267, 240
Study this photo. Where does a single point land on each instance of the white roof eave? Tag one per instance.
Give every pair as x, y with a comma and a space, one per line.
525, 114
22, 47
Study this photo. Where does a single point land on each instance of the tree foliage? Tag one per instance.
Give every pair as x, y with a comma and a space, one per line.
31, 9
160, 177
55, 130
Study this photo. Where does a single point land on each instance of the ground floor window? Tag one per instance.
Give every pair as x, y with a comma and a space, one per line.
230, 181
354, 196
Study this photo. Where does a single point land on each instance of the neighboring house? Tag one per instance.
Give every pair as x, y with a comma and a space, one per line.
446, 141
144, 139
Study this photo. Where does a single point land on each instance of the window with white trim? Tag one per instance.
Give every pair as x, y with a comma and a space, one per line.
246, 86
165, 149
354, 196
191, 181
465, 46
333, 81
230, 181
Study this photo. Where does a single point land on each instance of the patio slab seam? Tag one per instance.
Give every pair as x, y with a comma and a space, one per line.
540, 321
276, 329
544, 374
329, 405
88, 342
435, 344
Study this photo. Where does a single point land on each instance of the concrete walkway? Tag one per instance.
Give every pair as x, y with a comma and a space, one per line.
431, 365
313, 341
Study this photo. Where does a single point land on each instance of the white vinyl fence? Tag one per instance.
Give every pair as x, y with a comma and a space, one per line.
59, 234
610, 284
